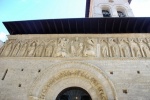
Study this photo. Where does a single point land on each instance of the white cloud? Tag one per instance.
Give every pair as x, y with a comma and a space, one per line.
3, 36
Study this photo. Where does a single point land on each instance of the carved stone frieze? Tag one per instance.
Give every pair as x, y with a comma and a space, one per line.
101, 47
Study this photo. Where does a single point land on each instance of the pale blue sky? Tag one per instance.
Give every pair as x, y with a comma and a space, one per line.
14, 10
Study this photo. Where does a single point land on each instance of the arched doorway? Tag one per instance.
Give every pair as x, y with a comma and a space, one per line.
73, 93
59, 77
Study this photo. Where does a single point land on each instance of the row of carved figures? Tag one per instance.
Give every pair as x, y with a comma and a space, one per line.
78, 47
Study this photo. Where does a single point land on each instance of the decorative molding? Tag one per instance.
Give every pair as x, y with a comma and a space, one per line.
73, 73
100, 47
70, 70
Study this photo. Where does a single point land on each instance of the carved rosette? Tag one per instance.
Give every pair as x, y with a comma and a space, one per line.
77, 47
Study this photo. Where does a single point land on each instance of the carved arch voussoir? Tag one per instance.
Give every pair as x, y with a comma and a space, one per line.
71, 70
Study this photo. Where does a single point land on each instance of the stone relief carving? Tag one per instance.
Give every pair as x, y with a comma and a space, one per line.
77, 47
31, 49
7, 48
61, 49
135, 50
124, 47
144, 47
49, 48
113, 48
71, 73
23, 49
104, 51
15, 49
39, 49
89, 49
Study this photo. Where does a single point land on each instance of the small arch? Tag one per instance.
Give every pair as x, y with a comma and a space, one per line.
106, 11
121, 11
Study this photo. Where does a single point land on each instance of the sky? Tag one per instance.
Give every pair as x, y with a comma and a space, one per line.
15, 10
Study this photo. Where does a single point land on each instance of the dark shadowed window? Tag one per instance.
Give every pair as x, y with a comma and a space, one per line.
121, 14
106, 13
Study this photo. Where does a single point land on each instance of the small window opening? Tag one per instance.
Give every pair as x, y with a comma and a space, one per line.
111, 72
4, 74
138, 72
125, 91
121, 14
19, 85
106, 13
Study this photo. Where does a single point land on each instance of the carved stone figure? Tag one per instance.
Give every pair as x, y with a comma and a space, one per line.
89, 49
1, 49
23, 50
135, 50
124, 48
8, 48
31, 50
113, 48
148, 42
73, 50
48, 50
16, 49
80, 50
61, 50
39, 50
76, 47
104, 52
144, 48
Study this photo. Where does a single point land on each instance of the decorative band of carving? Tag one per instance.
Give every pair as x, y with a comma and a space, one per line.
77, 47
71, 73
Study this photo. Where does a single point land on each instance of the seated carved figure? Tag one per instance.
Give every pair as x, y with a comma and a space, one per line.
61, 50
89, 49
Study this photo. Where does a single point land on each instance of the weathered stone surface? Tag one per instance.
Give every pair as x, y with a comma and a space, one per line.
105, 77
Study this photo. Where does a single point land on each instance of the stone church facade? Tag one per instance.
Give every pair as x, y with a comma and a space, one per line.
107, 66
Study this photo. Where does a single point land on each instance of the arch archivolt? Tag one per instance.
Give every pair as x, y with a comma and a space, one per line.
72, 74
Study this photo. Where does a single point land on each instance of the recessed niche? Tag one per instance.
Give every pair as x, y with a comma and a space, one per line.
138, 72
22, 69
4, 74
19, 85
39, 70
111, 72
125, 91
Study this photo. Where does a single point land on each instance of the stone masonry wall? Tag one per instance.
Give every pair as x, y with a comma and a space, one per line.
131, 78
123, 59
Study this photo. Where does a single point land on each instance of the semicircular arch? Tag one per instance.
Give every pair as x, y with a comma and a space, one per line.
68, 74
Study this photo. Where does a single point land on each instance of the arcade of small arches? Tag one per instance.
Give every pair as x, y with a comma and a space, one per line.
106, 11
